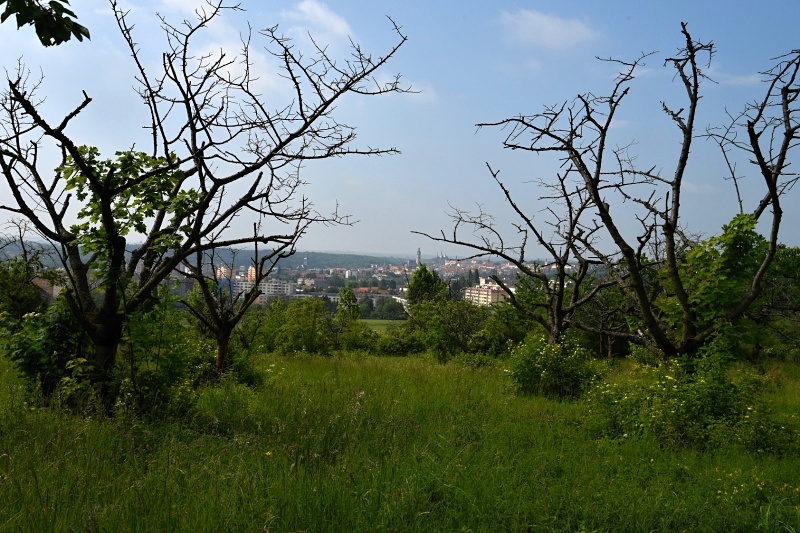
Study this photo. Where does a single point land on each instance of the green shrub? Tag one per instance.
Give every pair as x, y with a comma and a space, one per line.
304, 328
504, 328
701, 408
557, 370
475, 360
46, 349
357, 337
148, 396
398, 341
244, 371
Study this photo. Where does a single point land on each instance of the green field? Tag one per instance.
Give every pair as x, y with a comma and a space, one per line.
378, 444
381, 326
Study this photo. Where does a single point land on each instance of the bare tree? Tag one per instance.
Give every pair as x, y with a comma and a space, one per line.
579, 133
221, 305
554, 289
218, 151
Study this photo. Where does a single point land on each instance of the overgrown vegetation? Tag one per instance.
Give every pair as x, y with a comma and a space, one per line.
367, 444
653, 387
553, 370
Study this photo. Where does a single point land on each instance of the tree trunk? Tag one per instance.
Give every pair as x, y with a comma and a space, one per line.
105, 338
223, 342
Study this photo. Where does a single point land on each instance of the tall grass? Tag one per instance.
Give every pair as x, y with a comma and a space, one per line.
369, 444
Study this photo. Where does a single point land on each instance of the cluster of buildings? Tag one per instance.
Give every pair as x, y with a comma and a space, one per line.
385, 281
303, 282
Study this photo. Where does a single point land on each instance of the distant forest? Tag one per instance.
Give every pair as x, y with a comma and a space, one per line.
311, 260
337, 260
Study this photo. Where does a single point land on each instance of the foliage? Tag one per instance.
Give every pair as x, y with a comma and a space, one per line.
46, 348
701, 406
446, 327
504, 328
19, 295
425, 286
160, 337
249, 336
159, 352
389, 309
358, 337
347, 309
366, 307
399, 341
304, 329
135, 202
274, 316
777, 309
54, 23
552, 370
717, 274
347, 329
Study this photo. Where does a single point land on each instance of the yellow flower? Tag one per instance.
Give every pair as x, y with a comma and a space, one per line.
268, 454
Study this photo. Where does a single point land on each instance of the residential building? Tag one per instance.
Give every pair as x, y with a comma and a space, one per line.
268, 288
486, 293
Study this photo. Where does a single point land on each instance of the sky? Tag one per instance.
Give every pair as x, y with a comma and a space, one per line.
468, 62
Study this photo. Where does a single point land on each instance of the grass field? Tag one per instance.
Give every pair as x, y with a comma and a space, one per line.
377, 444
382, 325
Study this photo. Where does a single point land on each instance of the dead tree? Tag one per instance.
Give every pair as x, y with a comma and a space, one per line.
218, 151
220, 305
579, 133
553, 294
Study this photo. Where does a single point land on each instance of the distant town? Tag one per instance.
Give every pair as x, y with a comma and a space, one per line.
373, 278
322, 275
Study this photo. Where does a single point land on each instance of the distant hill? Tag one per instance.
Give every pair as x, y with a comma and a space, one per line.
311, 260
10, 249
337, 260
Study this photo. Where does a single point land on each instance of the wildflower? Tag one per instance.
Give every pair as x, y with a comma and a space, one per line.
268, 453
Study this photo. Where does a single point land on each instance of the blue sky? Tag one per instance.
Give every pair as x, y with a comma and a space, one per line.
471, 62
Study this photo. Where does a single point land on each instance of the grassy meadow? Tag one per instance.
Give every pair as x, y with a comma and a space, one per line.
378, 444
381, 325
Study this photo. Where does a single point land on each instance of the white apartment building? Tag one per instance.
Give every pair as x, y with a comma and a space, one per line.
485, 293
268, 287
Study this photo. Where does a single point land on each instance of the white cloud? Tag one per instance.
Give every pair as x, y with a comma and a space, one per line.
546, 31
700, 188
529, 65
722, 77
184, 6
317, 19
424, 92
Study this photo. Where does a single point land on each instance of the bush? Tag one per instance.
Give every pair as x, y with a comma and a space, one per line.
224, 407
446, 327
504, 329
475, 360
149, 396
46, 348
357, 337
304, 328
399, 341
556, 370
701, 408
